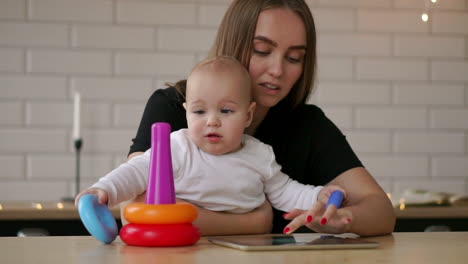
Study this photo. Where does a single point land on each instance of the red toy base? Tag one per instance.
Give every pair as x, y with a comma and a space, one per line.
159, 235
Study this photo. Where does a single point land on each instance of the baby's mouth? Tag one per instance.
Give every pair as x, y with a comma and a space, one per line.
213, 135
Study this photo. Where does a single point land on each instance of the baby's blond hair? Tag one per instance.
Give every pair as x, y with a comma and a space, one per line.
222, 64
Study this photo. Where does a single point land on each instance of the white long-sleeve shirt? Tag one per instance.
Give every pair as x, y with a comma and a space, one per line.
236, 182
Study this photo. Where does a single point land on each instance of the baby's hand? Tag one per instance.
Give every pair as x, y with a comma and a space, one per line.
102, 195
319, 218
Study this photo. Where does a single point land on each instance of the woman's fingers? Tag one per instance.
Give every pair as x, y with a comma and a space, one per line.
302, 217
329, 213
297, 222
314, 212
293, 214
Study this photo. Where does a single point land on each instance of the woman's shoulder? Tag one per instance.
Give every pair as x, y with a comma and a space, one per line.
168, 94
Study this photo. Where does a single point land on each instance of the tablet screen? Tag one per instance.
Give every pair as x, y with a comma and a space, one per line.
292, 242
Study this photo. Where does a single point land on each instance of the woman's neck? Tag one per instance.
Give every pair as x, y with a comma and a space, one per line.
259, 114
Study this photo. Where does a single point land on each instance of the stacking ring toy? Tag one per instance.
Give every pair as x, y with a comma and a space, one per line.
97, 218
336, 198
159, 235
140, 213
160, 222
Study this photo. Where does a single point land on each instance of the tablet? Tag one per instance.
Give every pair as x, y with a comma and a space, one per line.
292, 242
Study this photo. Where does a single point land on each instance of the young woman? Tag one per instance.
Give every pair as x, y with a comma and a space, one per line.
276, 41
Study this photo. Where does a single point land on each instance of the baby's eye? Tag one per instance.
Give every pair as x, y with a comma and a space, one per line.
199, 112
226, 111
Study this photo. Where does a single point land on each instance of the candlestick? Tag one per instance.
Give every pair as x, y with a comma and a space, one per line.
78, 142
76, 115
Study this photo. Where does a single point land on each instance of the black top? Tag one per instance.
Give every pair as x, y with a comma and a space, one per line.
308, 146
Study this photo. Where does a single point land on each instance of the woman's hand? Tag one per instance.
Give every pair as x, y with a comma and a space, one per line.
102, 195
367, 207
319, 218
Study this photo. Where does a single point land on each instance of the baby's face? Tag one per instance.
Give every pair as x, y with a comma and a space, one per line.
218, 111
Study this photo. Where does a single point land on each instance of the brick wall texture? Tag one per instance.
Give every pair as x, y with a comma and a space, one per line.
395, 85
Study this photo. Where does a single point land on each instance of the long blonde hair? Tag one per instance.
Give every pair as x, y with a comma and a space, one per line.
237, 31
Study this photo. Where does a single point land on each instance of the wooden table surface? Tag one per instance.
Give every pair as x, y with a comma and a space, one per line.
15, 210
424, 248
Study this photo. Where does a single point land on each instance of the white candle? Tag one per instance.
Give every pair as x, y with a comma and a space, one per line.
76, 116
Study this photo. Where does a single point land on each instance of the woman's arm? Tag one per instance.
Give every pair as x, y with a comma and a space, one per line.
366, 212
209, 222
370, 207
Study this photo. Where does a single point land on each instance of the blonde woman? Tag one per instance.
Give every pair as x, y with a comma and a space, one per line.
275, 40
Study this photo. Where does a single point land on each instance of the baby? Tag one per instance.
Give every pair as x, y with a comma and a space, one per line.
215, 165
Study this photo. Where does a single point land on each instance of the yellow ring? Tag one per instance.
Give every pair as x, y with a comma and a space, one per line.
141, 213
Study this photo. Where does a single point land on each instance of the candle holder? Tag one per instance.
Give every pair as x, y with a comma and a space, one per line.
78, 143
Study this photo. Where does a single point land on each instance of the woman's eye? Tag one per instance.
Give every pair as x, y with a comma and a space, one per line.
226, 111
261, 52
295, 59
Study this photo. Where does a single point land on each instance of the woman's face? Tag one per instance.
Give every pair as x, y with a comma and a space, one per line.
277, 60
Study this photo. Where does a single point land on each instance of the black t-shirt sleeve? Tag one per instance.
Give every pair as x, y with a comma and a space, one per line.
333, 154
164, 105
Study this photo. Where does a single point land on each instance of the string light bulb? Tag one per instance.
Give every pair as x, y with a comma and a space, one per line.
425, 17
402, 204
434, 1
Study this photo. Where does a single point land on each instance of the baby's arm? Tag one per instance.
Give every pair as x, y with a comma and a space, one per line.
123, 183
285, 193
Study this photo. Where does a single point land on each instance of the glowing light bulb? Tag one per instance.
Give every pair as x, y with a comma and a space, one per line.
60, 205
402, 204
38, 206
1, 207
425, 17
434, 1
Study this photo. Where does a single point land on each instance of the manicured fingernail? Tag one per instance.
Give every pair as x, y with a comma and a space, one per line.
285, 215
309, 219
323, 221
348, 220
286, 230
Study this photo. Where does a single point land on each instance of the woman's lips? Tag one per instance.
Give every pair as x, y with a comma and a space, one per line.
270, 89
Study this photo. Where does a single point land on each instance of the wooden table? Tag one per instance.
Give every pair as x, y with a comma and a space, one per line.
62, 219
414, 248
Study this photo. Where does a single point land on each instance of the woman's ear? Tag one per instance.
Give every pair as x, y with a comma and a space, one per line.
185, 106
250, 112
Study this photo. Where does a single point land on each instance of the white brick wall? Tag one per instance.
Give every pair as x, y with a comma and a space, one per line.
396, 86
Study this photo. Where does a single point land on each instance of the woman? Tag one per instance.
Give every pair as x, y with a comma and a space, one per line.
276, 41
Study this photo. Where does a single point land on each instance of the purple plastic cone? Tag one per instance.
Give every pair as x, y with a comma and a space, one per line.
160, 178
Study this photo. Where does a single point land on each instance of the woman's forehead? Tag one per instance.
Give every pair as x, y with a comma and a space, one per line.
281, 25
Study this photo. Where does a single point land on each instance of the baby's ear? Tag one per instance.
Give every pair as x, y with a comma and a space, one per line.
250, 112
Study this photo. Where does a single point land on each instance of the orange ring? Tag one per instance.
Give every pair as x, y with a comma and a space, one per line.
141, 213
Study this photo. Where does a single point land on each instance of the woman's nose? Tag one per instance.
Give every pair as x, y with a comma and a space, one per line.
276, 67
